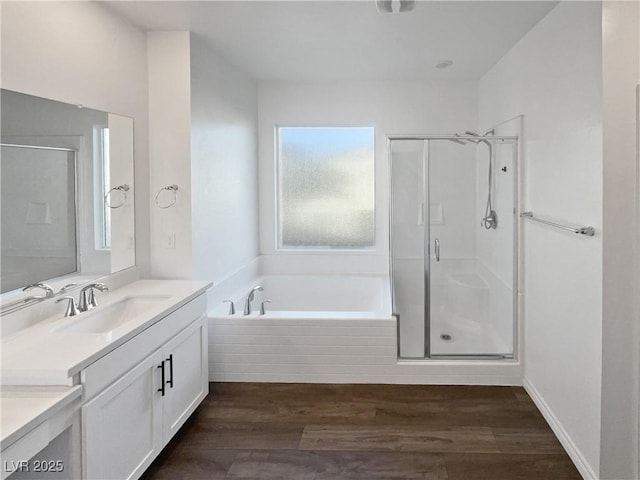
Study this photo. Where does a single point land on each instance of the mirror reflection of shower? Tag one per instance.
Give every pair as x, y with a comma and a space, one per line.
490, 219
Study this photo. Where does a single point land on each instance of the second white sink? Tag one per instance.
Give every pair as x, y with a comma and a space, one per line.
110, 317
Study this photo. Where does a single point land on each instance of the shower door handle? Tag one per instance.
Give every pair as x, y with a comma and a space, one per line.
436, 250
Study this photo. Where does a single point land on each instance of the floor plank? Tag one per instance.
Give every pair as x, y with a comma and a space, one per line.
336, 466
192, 463
462, 412
360, 432
402, 438
527, 440
510, 467
245, 435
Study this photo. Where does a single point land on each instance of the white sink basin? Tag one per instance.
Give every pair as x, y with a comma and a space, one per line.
110, 317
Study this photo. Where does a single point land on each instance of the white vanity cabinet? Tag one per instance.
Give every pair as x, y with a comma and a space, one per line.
139, 395
122, 426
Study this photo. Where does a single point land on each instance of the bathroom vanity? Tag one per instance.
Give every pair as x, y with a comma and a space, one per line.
98, 395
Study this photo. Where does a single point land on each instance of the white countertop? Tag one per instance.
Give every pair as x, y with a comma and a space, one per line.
43, 354
24, 408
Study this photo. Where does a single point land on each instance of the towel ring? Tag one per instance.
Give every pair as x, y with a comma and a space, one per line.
124, 188
170, 188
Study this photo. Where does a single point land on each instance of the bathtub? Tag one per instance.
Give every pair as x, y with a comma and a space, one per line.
324, 329
319, 295
316, 328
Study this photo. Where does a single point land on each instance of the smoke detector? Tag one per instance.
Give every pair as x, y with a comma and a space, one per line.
395, 6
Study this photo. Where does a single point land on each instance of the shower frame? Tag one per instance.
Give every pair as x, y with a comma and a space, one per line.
425, 138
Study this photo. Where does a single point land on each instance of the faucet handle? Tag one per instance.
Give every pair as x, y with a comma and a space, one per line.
67, 287
48, 291
72, 309
101, 286
262, 310
232, 307
87, 296
98, 286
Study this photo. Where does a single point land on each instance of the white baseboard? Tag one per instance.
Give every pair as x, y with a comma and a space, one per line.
565, 439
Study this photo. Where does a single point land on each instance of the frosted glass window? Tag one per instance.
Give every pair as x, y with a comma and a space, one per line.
326, 187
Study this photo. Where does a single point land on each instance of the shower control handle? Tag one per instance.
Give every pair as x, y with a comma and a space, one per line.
436, 250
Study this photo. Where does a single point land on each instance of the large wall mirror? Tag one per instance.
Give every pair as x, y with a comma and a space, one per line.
67, 211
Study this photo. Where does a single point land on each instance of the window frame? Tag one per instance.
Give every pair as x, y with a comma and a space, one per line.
102, 216
370, 250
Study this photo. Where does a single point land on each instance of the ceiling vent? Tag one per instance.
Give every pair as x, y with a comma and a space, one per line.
395, 6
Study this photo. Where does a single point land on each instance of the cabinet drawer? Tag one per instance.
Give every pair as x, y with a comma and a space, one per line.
103, 372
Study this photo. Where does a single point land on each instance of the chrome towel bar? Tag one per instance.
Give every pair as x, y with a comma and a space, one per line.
589, 231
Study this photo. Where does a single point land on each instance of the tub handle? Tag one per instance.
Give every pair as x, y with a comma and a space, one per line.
232, 307
262, 310
437, 250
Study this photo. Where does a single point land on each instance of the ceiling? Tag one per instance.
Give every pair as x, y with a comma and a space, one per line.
347, 40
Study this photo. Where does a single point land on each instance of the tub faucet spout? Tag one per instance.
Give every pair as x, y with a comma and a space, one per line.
247, 303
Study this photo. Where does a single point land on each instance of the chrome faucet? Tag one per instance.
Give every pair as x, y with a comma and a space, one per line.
48, 291
247, 303
232, 307
88, 298
72, 308
262, 309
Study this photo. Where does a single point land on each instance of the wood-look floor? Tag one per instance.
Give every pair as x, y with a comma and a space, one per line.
364, 432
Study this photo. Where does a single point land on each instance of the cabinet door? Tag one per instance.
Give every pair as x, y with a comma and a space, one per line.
122, 426
185, 359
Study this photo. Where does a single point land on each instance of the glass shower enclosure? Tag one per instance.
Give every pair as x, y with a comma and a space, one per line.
453, 245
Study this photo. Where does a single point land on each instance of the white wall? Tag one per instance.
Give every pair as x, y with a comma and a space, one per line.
621, 65
392, 108
121, 138
553, 77
170, 152
224, 165
80, 53
202, 136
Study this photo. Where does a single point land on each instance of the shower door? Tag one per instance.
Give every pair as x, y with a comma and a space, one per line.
452, 278
408, 234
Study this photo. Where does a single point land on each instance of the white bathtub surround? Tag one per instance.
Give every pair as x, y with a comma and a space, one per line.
317, 295
326, 329
234, 284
